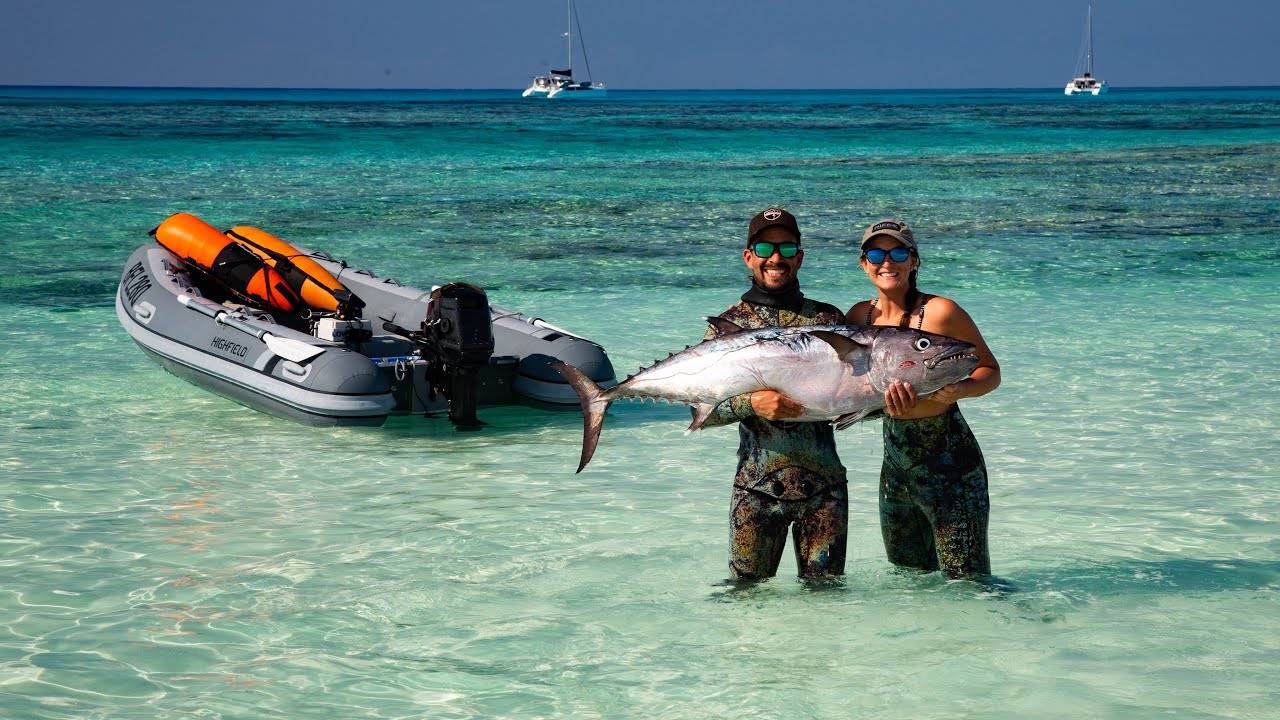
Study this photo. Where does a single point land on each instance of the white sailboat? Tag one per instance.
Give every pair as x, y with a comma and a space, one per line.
1086, 84
560, 83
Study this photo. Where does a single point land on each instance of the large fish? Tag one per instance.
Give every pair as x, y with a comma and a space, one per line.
837, 372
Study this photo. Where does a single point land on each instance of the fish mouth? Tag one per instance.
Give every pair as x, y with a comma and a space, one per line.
953, 356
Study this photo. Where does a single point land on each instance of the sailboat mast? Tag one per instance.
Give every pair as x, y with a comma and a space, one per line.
1089, 33
570, 36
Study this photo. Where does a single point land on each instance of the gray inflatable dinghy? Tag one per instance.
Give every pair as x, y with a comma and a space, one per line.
408, 351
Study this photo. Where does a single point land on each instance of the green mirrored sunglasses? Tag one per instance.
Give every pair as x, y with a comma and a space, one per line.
766, 249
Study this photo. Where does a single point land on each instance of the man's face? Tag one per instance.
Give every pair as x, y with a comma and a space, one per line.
774, 272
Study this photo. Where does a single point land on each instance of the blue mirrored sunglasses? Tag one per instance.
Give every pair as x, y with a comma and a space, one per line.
875, 256
766, 249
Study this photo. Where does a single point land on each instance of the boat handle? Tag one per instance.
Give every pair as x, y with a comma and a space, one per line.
144, 311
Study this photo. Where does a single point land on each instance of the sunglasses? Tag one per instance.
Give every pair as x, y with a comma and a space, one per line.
766, 249
875, 256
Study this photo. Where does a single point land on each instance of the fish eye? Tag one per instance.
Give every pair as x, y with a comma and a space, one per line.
922, 344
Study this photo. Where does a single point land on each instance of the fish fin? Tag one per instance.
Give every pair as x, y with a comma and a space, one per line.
701, 411
594, 407
847, 348
845, 421
722, 326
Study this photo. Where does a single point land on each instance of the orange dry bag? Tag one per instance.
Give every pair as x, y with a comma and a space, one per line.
219, 257
317, 287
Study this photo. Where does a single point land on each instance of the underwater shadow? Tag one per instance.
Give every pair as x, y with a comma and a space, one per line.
1175, 575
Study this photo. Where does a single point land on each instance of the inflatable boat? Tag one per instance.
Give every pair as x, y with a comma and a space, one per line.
301, 335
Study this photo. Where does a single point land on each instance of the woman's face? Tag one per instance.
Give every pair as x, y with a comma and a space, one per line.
889, 276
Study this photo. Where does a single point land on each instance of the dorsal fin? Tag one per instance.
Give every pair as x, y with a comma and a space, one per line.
722, 326
845, 347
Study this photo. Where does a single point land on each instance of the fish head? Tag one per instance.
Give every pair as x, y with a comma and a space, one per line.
926, 360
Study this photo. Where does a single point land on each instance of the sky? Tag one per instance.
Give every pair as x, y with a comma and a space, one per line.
635, 44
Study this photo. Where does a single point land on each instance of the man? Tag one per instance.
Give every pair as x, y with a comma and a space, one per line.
788, 472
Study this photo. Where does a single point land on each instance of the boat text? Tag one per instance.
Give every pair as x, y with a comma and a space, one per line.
135, 283
231, 348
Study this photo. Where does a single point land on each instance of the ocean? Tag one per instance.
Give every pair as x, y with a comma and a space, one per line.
167, 553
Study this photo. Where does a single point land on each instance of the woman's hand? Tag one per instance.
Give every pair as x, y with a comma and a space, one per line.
773, 405
899, 398
948, 394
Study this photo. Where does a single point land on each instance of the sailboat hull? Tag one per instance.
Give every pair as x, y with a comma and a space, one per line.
1073, 89
578, 93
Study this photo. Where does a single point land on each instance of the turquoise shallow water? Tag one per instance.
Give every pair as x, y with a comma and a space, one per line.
167, 553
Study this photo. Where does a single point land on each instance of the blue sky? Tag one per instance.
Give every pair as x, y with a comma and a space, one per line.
649, 44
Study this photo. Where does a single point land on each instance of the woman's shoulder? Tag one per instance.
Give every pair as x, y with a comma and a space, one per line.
941, 305
944, 315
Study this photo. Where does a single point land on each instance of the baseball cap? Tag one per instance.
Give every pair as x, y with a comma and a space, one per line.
895, 229
770, 218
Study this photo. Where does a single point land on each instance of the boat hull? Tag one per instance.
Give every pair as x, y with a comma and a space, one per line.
1071, 89
578, 93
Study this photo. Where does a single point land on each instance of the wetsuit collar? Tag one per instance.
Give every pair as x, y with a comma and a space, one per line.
788, 298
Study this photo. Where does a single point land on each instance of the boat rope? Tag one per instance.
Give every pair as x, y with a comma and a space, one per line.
581, 42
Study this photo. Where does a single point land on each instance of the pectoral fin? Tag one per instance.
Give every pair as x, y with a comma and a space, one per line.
701, 412
845, 421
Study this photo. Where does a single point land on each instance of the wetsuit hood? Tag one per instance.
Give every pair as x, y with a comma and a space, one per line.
787, 298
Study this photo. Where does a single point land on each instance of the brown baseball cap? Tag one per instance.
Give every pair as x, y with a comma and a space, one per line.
770, 218
895, 229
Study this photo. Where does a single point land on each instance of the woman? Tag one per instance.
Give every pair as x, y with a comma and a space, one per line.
933, 481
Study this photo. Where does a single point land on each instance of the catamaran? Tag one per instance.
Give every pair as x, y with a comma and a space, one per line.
1086, 84
560, 83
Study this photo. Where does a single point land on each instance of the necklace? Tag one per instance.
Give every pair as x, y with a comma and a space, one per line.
905, 320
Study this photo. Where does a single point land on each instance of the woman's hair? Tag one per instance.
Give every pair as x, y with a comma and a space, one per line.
913, 294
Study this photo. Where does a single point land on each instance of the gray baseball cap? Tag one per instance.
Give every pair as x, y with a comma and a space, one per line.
895, 229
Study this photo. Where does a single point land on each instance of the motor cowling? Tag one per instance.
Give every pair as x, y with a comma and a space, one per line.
462, 328
460, 337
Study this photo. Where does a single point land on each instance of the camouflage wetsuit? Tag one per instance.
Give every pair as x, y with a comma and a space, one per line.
933, 491
788, 472
933, 495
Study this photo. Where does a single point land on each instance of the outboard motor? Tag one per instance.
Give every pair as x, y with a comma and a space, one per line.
459, 333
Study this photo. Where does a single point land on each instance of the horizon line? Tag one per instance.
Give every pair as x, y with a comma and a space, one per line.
628, 89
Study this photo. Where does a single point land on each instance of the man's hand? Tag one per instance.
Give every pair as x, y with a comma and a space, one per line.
773, 405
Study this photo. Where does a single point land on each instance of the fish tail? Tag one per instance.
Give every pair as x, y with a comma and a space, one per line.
594, 406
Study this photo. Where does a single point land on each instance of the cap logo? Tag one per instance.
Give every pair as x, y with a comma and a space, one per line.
886, 226
772, 214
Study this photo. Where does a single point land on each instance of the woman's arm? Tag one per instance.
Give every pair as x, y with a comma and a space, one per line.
953, 321
945, 317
